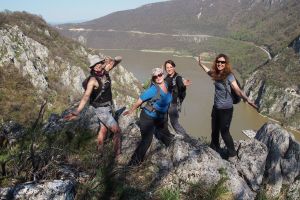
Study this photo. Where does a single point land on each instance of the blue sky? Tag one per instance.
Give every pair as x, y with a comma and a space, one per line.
60, 11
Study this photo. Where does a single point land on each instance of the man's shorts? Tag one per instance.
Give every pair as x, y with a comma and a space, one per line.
104, 114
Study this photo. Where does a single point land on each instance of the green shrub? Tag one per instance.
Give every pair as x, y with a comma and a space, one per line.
200, 191
169, 194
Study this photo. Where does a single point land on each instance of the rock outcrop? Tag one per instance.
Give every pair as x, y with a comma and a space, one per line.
294, 190
282, 163
273, 100
190, 161
11, 132
33, 59
56, 189
271, 159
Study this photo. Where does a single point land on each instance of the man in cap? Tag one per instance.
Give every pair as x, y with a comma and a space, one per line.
98, 92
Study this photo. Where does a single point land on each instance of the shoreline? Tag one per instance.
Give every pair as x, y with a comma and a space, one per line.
291, 129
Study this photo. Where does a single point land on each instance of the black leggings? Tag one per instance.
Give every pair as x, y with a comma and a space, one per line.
148, 127
220, 122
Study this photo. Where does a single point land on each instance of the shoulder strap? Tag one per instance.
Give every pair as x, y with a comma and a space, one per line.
225, 85
150, 103
102, 89
174, 84
174, 80
157, 94
224, 82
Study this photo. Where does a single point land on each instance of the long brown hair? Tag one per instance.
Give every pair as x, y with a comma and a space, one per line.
221, 75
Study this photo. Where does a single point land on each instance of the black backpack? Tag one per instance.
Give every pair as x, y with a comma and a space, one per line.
235, 97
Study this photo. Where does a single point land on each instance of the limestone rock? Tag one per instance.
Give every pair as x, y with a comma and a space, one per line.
186, 161
294, 191
251, 163
11, 131
56, 189
283, 160
273, 100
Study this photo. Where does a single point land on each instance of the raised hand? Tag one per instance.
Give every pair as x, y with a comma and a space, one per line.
187, 82
251, 103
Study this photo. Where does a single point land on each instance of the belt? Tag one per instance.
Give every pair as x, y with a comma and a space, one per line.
105, 104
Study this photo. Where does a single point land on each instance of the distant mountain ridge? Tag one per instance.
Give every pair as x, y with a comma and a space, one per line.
256, 20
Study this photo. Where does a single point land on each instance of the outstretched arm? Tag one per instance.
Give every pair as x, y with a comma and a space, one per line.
134, 107
239, 92
206, 69
111, 63
83, 100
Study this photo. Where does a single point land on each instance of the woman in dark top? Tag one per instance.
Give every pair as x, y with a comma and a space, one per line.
178, 87
222, 110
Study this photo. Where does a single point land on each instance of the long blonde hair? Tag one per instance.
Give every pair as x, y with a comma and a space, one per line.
221, 75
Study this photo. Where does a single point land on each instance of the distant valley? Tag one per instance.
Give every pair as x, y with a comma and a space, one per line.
261, 37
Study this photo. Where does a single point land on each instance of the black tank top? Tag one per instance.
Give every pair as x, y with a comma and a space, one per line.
104, 88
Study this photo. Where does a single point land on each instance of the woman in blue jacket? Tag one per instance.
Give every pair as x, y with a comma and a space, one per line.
153, 117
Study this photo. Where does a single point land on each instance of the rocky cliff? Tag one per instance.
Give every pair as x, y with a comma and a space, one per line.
38, 65
188, 166
61, 161
275, 88
32, 59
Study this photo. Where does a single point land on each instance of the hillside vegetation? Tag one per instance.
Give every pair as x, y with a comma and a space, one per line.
23, 34
272, 23
37, 28
39, 65
17, 96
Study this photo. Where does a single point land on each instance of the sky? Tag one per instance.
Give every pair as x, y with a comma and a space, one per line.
62, 11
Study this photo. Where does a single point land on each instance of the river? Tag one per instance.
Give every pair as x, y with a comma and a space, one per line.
196, 110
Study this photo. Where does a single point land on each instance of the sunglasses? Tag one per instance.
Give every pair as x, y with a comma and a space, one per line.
158, 75
221, 61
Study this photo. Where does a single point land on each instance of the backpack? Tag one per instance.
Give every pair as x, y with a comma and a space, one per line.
235, 97
149, 105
